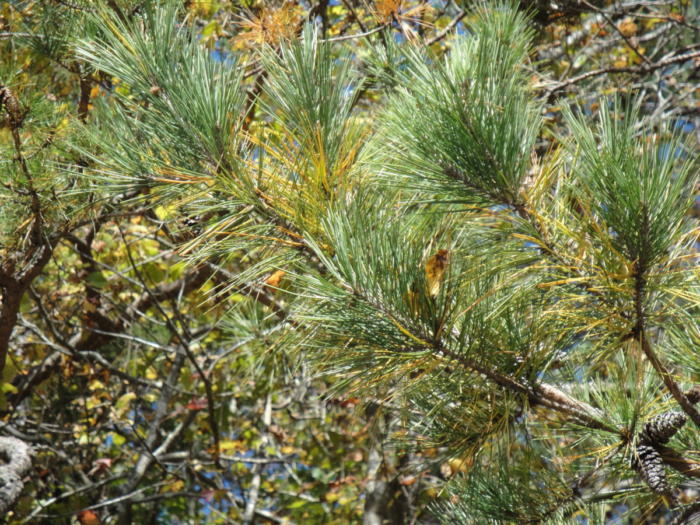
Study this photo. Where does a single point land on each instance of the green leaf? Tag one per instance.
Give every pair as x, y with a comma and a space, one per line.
97, 279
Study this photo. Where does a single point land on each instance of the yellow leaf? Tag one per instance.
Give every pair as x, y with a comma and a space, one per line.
8, 388
161, 212
117, 439
460, 464
627, 27
229, 445
176, 486
124, 403
151, 397
91, 402
332, 496
96, 384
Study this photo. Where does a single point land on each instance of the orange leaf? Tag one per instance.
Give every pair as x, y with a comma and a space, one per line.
407, 480
197, 403
274, 280
627, 27
88, 517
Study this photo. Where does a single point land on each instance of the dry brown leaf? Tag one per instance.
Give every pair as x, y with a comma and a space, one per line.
435, 271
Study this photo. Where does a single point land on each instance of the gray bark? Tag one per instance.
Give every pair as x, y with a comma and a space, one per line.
15, 462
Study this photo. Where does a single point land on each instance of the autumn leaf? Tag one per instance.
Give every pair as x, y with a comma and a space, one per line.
100, 465
386, 9
274, 280
197, 403
627, 27
88, 517
435, 271
407, 481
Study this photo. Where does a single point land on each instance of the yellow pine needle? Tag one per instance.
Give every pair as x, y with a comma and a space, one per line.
290, 233
528, 238
291, 159
683, 294
543, 176
420, 367
415, 14
172, 176
563, 281
115, 31
406, 332
321, 162
349, 152
256, 236
177, 181
188, 247
601, 451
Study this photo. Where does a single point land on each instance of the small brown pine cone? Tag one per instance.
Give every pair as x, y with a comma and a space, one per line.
693, 394
648, 463
659, 429
14, 112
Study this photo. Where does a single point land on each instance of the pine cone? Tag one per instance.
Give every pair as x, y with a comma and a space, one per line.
14, 112
661, 428
693, 394
648, 463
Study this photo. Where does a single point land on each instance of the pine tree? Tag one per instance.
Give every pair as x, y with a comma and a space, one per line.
519, 320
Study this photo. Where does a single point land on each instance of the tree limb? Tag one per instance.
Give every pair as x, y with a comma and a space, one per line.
643, 68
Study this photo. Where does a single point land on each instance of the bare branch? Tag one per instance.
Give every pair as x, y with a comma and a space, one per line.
644, 68
442, 34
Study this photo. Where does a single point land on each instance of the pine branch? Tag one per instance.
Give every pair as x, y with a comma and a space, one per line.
676, 461
668, 379
542, 394
147, 457
641, 336
13, 282
689, 514
358, 35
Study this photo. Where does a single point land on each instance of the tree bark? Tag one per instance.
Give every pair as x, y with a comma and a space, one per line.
15, 462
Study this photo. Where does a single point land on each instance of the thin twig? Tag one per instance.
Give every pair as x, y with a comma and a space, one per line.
357, 35
643, 68
442, 34
13, 35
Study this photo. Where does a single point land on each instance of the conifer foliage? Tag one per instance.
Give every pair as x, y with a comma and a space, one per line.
504, 285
